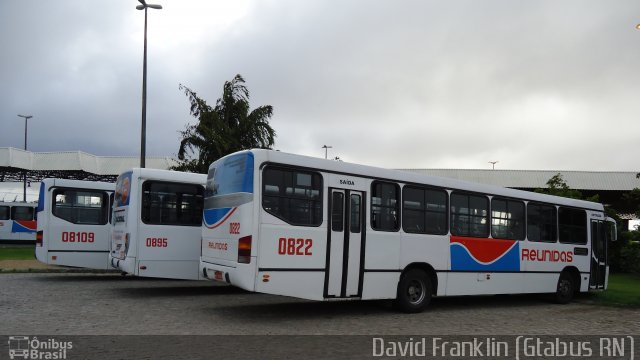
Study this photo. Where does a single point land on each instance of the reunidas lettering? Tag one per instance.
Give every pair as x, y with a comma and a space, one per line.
547, 255
217, 245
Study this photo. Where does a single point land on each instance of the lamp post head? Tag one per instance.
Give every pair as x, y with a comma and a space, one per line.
143, 5
638, 26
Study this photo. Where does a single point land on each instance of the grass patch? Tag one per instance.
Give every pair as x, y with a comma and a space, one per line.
623, 290
17, 253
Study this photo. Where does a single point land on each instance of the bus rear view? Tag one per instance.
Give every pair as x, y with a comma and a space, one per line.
228, 220
157, 218
74, 228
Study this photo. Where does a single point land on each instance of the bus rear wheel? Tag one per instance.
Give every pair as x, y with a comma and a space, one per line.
414, 291
565, 289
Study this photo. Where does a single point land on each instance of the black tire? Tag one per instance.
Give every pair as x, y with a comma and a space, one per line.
566, 288
414, 291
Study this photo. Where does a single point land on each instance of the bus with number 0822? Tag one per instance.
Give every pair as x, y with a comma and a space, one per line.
318, 229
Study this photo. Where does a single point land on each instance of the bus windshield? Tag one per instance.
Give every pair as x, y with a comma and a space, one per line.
123, 189
231, 175
229, 185
41, 198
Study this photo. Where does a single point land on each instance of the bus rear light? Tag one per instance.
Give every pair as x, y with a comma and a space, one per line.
244, 250
126, 244
39, 236
143, 267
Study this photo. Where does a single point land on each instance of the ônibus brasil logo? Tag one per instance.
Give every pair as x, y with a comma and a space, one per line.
25, 347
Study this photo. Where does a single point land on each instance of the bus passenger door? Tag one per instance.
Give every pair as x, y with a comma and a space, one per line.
599, 244
343, 273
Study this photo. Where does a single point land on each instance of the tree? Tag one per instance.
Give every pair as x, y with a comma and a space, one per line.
632, 200
223, 129
558, 187
624, 254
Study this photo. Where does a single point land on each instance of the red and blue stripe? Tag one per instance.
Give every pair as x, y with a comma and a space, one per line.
24, 226
213, 218
484, 254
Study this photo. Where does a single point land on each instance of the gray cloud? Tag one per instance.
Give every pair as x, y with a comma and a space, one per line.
535, 85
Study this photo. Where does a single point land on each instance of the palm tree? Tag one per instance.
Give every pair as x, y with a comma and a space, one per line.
223, 129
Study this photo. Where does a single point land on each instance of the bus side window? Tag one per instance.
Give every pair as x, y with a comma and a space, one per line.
572, 226
385, 206
355, 214
110, 207
424, 210
469, 215
337, 212
189, 208
294, 196
153, 207
5, 212
507, 219
22, 213
541, 222
168, 203
80, 206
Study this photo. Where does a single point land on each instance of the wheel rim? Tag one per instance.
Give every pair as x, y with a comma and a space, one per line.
415, 292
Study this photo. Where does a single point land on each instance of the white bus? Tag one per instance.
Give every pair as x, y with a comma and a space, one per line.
157, 223
318, 229
17, 223
73, 223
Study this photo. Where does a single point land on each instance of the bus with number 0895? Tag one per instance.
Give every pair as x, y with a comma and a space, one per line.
318, 229
157, 219
73, 223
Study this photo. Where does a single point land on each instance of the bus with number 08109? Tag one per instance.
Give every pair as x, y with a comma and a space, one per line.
73, 223
157, 219
318, 229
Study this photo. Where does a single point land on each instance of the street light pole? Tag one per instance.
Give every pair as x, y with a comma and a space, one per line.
143, 130
24, 174
325, 147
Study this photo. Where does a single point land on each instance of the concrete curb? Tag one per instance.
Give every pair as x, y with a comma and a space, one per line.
63, 270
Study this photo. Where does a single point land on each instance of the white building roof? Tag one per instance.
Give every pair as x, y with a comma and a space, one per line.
76, 161
114, 165
530, 179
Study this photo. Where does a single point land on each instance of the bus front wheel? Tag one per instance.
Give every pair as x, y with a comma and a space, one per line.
565, 289
414, 291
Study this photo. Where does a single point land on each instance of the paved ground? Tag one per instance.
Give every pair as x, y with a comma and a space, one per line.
109, 304
25, 264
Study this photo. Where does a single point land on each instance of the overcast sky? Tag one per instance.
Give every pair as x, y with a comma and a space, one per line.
401, 84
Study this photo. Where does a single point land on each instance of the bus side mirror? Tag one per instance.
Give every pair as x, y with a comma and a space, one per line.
612, 229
